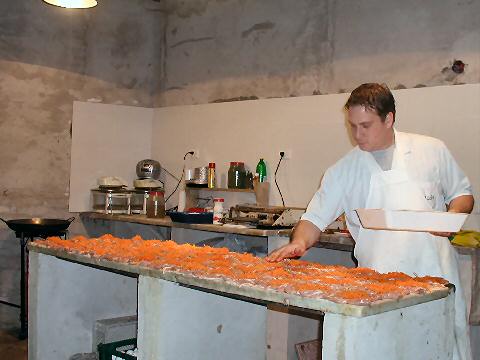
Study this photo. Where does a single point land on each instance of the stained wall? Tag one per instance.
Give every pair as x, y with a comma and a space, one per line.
50, 57
216, 50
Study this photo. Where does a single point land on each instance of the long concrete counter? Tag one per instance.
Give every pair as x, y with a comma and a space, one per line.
331, 249
264, 295
214, 320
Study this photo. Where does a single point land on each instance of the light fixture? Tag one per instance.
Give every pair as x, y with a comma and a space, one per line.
73, 4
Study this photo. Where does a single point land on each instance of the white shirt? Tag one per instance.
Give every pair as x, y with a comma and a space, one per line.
345, 185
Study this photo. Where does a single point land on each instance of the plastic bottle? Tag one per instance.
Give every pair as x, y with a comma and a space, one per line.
218, 210
211, 175
261, 171
182, 199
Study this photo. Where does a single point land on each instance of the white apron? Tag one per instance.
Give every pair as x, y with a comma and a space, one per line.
414, 253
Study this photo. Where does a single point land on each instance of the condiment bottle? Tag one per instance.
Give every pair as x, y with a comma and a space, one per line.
218, 210
211, 175
261, 171
155, 204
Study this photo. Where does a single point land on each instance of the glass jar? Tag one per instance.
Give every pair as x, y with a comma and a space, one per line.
111, 201
156, 204
236, 175
138, 201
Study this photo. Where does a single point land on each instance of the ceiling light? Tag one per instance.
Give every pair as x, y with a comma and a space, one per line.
73, 4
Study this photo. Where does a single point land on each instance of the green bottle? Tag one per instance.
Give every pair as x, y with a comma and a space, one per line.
261, 171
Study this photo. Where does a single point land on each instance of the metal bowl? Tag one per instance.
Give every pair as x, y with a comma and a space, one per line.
38, 225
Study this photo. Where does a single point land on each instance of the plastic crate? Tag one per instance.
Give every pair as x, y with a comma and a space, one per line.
106, 351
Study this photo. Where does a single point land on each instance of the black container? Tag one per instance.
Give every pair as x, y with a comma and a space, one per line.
191, 218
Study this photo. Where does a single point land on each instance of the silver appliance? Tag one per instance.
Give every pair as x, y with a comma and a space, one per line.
148, 172
148, 169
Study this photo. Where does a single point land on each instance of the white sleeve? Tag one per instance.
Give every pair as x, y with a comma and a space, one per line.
325, 205
454, 181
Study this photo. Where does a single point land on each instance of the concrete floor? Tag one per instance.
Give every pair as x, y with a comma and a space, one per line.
10, 347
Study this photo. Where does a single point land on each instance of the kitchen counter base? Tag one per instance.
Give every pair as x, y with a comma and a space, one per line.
66, 298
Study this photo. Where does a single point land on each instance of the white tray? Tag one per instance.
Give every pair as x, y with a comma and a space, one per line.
408, 220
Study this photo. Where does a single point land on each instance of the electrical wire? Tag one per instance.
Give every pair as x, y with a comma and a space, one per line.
169, 173
181, 177
278, 187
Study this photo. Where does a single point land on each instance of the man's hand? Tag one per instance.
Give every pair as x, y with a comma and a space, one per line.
291, 250
461, 204
304, 235
443, 234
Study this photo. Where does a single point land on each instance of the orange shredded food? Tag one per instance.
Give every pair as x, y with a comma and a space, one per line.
336, 283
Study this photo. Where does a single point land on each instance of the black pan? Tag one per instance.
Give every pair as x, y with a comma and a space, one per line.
38, 225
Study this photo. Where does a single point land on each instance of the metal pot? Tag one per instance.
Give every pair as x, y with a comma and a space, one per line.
200, 176
38, 225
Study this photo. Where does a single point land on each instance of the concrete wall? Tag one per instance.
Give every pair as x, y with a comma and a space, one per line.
278, 48
50, 57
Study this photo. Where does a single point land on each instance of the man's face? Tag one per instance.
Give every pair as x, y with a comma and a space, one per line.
368, 129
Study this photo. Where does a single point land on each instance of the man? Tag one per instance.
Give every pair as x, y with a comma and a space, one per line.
397, 171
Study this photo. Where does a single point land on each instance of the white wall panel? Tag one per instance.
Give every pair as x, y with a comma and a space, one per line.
107, 140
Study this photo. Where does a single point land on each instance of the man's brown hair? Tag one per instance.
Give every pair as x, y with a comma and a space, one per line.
375, 97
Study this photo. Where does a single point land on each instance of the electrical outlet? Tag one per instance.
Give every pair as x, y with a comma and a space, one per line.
287, 154
196, 153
